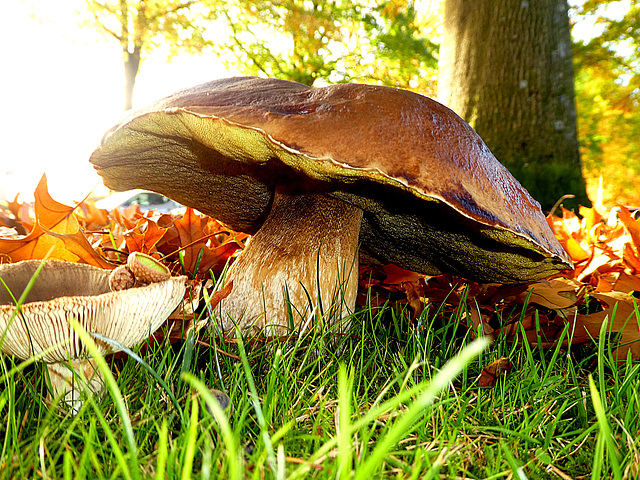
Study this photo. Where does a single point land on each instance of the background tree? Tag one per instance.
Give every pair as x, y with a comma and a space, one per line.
378, 41
141, 26
506, 67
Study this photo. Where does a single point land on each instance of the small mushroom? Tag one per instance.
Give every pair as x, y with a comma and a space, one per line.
317, 174
139, 270
63, 290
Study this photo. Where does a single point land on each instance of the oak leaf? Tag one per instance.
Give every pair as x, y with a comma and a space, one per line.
56, 229
624, 318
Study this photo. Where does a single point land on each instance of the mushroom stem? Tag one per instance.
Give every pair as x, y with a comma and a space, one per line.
74, 380
302, 262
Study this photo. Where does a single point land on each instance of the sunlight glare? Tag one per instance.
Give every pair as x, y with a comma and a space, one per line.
64, 90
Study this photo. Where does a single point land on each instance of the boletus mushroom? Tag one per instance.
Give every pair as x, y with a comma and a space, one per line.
40, 326
317, 173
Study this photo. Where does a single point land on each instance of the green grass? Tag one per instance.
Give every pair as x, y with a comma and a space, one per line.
385, 400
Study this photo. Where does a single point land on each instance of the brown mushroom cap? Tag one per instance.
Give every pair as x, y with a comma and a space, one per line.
434, 197
64, 290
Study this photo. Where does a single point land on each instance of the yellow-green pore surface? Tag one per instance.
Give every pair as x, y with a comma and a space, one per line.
434, 197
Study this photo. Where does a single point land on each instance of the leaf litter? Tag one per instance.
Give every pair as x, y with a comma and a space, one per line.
605, 250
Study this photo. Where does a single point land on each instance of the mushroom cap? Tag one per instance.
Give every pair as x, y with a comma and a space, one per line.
435, 199
64, 290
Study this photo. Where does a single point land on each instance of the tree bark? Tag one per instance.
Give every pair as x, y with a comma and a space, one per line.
131, 69
506, 68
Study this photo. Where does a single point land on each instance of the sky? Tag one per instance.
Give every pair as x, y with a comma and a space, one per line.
62, 88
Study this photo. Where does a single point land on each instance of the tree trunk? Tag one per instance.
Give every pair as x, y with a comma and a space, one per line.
131, 68
506, 68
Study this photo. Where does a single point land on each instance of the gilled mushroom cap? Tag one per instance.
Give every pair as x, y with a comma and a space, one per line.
434, 197
64, 290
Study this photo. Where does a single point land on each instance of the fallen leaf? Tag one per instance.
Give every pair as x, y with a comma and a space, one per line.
490, 374
55, 230
627, 283
556, 294
144, 236
413, 292
21, 213
624, 316
632, 225
198, 257
397, 275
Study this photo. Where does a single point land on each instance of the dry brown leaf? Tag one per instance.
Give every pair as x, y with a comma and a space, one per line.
490, 374
21, 213
397, 275
556, 294
627, 283
93, 217
198, 256
625, 321
413, 292
480, 322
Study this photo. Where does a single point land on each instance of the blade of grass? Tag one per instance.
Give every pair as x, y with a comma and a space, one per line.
161, 462
516, 468
605, 429
187, 461
230, 442
601, 356
117, 451
146, 366
405, 422
114, 391
255, 400
345, 448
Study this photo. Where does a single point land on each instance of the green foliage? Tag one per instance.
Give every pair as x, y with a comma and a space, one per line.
333, 41
150, 24
608, 98
380, 41
617, 46
608, 136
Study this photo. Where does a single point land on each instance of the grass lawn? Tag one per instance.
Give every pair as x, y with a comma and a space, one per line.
385, 400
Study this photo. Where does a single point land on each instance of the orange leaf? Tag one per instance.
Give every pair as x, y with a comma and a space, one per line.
92, 216
632, 225
575, 251
144, 236
631, 258
590, 218
191, 238
201, 248
54, 223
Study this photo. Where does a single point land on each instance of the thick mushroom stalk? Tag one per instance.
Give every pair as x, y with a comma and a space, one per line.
304, 258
